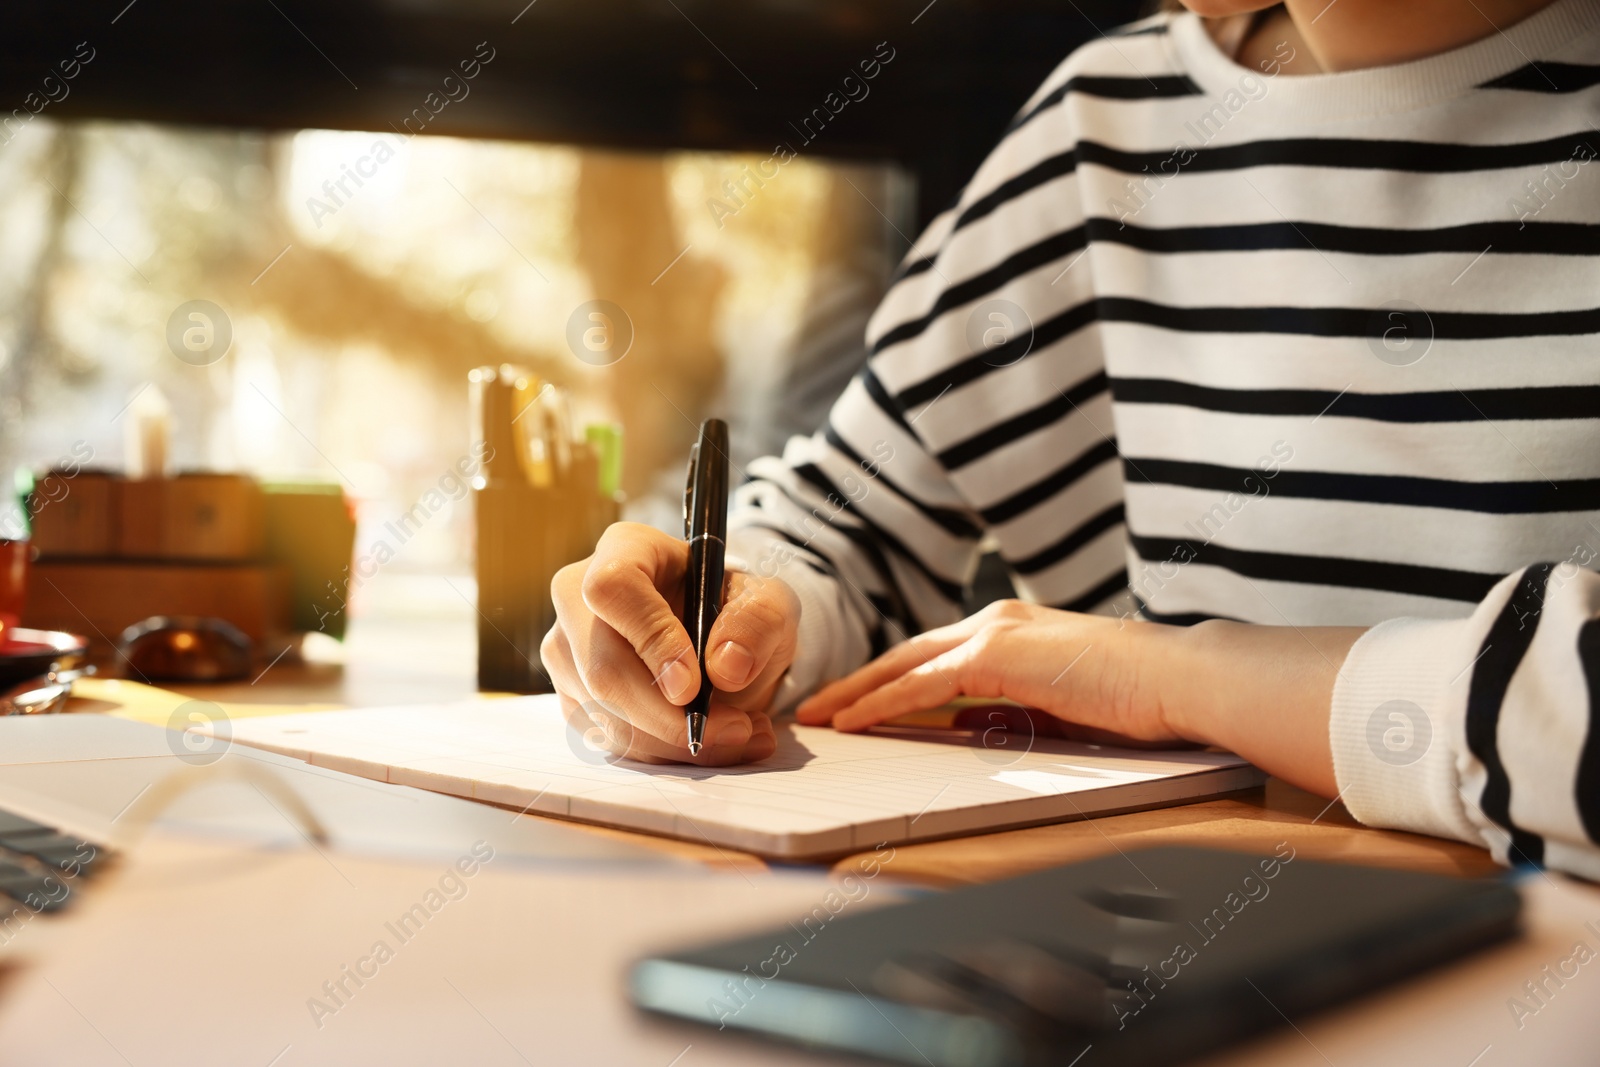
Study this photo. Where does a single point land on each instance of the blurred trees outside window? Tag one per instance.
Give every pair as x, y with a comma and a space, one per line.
363, 274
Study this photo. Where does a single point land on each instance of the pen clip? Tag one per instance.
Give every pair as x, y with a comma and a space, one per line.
688, 491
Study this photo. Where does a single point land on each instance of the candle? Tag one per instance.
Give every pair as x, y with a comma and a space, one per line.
146, 431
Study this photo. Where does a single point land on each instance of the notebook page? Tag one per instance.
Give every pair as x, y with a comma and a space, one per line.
821, 792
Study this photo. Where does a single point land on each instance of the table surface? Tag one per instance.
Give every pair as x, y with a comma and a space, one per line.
1454, 1019
1254, 820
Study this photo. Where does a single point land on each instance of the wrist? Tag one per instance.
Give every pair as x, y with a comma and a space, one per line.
1264, 692
1179, 664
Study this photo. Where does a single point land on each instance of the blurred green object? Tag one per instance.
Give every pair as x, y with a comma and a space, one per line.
311, 530
606, 440
14, 513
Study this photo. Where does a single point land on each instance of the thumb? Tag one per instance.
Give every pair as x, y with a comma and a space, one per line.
754, 633
622, 586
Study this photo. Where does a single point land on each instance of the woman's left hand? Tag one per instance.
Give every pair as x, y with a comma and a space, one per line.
1088, 670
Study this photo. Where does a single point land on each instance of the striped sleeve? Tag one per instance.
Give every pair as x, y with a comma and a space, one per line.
982, 417
982, 413
860, 521
1485, 729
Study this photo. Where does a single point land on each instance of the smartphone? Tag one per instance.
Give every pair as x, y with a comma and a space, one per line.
1148, 957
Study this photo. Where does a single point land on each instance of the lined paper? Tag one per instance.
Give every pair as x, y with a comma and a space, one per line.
821, 793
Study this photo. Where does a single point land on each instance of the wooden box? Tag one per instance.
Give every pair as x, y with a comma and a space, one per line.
73, 515
191, 517
102, 598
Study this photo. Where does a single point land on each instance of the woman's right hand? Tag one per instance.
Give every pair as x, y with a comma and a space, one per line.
622, 661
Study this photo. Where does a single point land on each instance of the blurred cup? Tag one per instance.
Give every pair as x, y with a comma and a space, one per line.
13, 584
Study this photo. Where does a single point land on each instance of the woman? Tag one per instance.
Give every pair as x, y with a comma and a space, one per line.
1262, 349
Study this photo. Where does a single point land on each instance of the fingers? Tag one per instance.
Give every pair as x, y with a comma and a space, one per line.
608, 669
763, 741
589, 662
614, 736
606, 732
820, 708
927, 685
1012, 718
619, 651
623, 585
1009, 658
756, 628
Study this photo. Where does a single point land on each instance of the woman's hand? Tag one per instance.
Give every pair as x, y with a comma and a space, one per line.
1087, 670
1261, 691
622, 661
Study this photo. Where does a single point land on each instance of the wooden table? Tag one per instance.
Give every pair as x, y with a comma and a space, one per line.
1456, 1017
1254, 820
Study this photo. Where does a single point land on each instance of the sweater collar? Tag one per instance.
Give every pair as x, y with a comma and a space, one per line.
1402, 87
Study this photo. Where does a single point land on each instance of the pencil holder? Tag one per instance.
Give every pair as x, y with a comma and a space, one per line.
527, 531
525, 535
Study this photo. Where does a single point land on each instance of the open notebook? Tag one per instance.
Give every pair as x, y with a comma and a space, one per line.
821, 793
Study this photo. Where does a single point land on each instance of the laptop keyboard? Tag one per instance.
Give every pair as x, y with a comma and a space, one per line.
40, 866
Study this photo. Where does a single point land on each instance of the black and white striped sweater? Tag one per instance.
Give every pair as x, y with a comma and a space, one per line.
1203, 341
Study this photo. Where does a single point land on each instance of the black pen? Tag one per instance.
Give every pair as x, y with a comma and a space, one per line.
705, 524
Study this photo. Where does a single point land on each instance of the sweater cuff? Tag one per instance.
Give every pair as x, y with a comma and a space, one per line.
824, 648
817, 650
1395, 727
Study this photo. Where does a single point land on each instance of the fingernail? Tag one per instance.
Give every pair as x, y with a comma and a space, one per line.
735, 663
735, 733
676, 681
807, 713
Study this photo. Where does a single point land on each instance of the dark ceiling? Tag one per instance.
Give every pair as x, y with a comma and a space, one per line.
650, 74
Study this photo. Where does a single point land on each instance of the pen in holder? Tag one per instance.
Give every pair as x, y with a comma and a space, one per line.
542, 500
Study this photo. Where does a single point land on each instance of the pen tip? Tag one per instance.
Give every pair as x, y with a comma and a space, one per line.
697, 731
